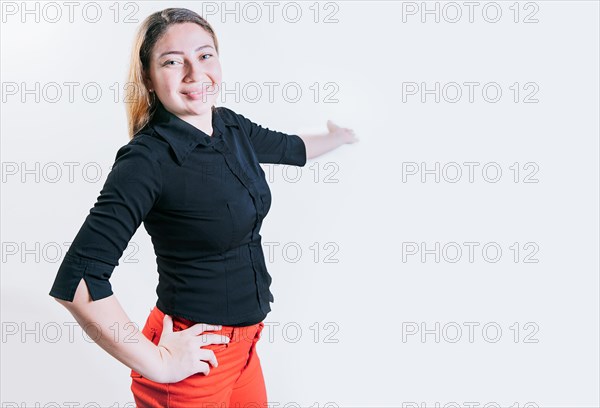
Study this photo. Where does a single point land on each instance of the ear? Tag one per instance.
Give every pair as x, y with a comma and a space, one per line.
147, 81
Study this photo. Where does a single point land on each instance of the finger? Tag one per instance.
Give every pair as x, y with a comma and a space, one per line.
219, 339
203, 368
331, 126
200, 328
167, 324
209, 357
212, 338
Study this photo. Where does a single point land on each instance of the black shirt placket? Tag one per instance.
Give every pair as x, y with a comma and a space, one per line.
236, 168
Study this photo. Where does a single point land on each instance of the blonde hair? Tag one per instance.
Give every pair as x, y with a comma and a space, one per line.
139, 102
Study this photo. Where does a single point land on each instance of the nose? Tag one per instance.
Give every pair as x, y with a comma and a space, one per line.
195, 73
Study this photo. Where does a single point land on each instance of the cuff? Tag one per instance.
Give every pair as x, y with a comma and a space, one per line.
72, 269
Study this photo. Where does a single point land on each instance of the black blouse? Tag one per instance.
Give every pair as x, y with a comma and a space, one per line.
202, 200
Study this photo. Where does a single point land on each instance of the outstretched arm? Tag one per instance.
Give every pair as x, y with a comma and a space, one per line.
319, 144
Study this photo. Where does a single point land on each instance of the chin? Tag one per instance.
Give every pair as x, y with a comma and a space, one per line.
198, 109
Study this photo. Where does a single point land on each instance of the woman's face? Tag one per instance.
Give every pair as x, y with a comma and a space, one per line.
184, 60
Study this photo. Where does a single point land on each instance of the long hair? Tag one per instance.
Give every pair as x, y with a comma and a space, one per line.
139, 102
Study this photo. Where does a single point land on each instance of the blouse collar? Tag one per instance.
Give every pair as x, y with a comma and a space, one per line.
182, 136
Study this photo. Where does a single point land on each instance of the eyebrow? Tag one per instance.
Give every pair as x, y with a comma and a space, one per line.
181, 52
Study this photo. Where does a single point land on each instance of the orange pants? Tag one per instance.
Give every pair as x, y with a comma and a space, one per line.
237, 381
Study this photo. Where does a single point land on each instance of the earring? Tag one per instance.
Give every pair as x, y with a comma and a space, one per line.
151, 99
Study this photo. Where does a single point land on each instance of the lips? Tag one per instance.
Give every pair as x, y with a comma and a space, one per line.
198, 92
195, 91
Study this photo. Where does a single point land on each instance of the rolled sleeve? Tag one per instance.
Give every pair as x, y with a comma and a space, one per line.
131, 189
272, 146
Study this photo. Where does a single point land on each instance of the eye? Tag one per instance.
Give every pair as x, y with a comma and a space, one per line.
169, 61
206, 55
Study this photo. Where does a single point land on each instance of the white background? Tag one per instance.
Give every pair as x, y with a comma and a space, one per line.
370, 297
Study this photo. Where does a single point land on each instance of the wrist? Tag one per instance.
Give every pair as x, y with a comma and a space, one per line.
154, 369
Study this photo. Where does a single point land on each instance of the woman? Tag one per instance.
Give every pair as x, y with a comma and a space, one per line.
191, 173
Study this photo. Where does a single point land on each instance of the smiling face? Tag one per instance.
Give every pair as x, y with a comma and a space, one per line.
185, 72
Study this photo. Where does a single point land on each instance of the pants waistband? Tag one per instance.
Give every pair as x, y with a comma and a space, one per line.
235, 333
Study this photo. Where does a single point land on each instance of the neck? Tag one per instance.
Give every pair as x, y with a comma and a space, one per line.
202, 122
